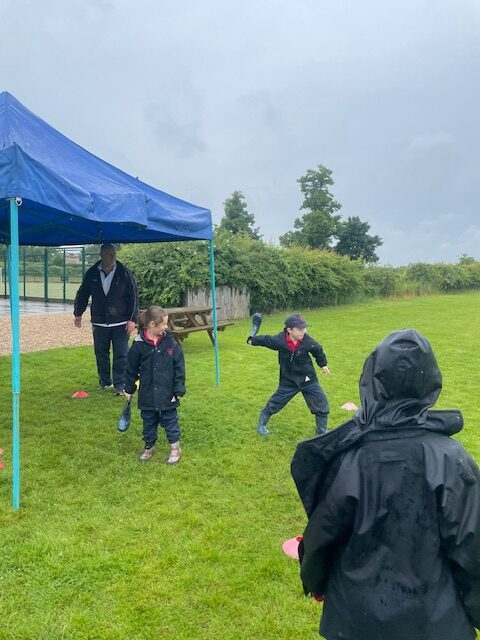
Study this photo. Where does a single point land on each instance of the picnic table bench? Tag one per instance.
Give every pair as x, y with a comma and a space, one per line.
185, 320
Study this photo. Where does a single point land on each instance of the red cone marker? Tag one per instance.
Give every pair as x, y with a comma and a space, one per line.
80, 394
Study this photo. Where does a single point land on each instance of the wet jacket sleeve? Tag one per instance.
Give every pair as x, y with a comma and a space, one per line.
318, 354
460, 529
133, 369
178, 372
271, 342
328, 528
83, 294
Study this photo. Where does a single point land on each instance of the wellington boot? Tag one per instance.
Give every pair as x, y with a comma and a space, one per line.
321, 423
261, 426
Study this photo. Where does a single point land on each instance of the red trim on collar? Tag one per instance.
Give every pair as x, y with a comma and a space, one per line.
150, 341
293, 346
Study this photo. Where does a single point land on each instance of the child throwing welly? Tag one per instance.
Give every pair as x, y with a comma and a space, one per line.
297, 374
157, 360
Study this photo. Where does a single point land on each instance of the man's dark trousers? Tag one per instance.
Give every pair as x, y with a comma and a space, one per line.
314, 397
118, 338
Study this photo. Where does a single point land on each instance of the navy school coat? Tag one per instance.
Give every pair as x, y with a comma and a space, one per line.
161, 369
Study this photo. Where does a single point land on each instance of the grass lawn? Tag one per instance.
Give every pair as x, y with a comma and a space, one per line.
107, 548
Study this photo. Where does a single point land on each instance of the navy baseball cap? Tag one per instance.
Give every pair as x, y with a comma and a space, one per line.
296, 321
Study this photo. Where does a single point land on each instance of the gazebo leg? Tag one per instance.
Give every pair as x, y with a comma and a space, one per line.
15, 316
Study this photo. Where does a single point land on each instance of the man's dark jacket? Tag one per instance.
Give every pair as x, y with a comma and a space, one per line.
121, 303
393, 537
161, 369
296, 367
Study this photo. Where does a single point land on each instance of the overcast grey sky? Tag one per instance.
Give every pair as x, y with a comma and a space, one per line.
200, 98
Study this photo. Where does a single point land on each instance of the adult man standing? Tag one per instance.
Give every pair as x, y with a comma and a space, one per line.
114, 309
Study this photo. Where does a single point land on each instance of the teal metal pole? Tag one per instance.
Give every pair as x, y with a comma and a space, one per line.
214, 309
15, 315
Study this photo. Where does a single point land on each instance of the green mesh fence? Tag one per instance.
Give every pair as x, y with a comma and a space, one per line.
48, 273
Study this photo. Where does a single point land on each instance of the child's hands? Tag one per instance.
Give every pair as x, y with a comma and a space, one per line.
127, 395
326, 371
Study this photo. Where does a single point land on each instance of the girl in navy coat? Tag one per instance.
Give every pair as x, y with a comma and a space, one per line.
156, 359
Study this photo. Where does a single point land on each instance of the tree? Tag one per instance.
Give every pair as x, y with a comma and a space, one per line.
314, 229
355, 242
321, 224
236, 218
314, 186
466, 259
317, 227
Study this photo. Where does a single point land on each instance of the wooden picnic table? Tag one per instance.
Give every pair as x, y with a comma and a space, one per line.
185, 320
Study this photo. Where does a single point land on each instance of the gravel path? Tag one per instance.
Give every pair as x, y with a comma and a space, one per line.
45, 331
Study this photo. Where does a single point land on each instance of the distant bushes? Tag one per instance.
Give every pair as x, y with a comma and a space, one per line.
280, 278
445, 277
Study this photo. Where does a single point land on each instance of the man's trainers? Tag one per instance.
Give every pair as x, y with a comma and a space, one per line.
119, 392
147, 454
175, 454
103, 387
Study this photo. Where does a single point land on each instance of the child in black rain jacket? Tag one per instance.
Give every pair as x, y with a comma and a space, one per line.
393, 505
297, 373
157, 360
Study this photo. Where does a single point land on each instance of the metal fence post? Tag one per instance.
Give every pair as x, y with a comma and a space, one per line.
45, 275
5, 270
24, 274
64, 277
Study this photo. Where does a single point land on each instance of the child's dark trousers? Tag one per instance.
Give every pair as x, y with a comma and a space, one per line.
167, 419
314, 397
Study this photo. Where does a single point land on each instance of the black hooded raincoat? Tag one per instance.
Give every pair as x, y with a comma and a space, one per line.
393, 536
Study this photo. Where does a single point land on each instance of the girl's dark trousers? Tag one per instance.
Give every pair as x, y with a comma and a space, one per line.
167, 419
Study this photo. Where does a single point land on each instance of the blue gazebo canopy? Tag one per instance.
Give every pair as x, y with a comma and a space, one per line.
53, 193
71, 197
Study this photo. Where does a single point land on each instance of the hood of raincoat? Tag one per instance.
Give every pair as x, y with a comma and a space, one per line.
399, 383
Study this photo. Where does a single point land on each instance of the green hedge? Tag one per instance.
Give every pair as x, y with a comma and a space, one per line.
280, 278
445, 277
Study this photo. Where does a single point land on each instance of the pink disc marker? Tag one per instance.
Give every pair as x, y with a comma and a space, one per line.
80, 394
350, 406
290, 547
